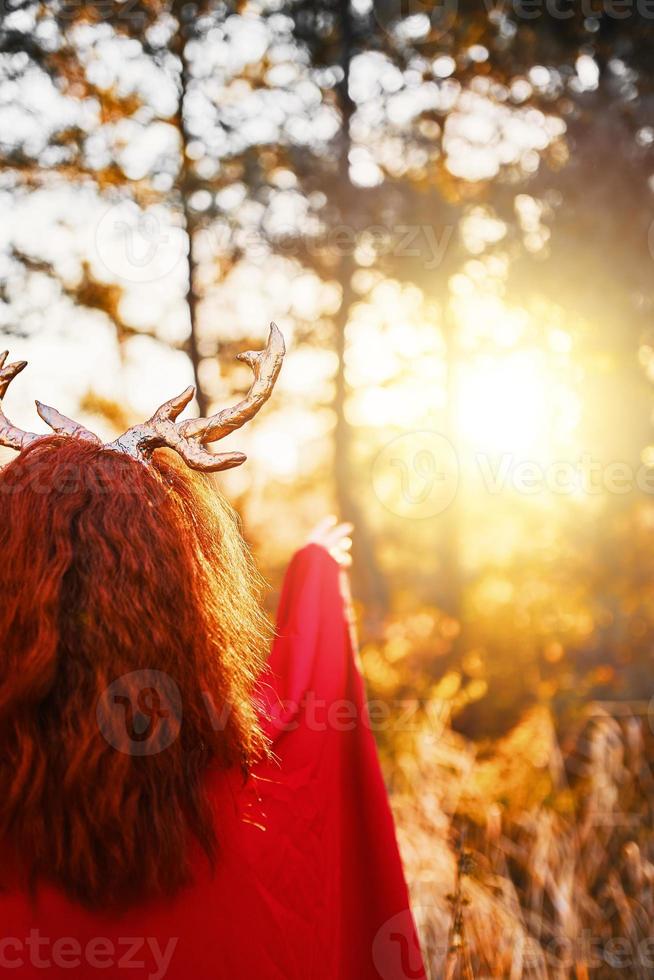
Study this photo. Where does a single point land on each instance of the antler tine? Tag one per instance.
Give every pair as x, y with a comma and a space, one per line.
64, 426
266, 365
197, 458
10, 435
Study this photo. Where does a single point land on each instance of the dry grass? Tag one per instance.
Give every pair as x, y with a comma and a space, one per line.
536, 859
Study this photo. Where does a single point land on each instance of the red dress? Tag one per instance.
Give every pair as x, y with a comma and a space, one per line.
308, 884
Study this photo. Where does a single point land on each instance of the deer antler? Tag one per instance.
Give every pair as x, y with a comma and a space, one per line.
186, 438
189, 438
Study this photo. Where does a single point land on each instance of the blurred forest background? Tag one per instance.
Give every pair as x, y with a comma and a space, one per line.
448, 209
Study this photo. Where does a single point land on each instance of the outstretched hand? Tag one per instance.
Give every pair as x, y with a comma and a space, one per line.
335, 538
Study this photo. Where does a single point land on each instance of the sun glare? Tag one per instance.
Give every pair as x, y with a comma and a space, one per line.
504, 403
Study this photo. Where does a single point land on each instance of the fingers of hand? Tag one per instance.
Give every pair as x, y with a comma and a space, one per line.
336, 535
318, 533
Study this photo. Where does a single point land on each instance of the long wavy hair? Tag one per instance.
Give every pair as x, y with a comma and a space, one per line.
132, 579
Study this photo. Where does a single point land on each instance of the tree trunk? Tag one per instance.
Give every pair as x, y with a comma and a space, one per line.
185, 188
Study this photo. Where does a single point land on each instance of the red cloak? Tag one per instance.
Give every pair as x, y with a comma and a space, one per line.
308, 883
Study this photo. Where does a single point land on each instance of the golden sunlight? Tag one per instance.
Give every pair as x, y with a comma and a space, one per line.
503, 402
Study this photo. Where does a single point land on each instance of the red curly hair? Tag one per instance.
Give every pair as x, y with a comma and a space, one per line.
109, 567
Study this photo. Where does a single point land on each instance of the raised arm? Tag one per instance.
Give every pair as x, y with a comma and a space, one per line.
322, 789
309, 659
